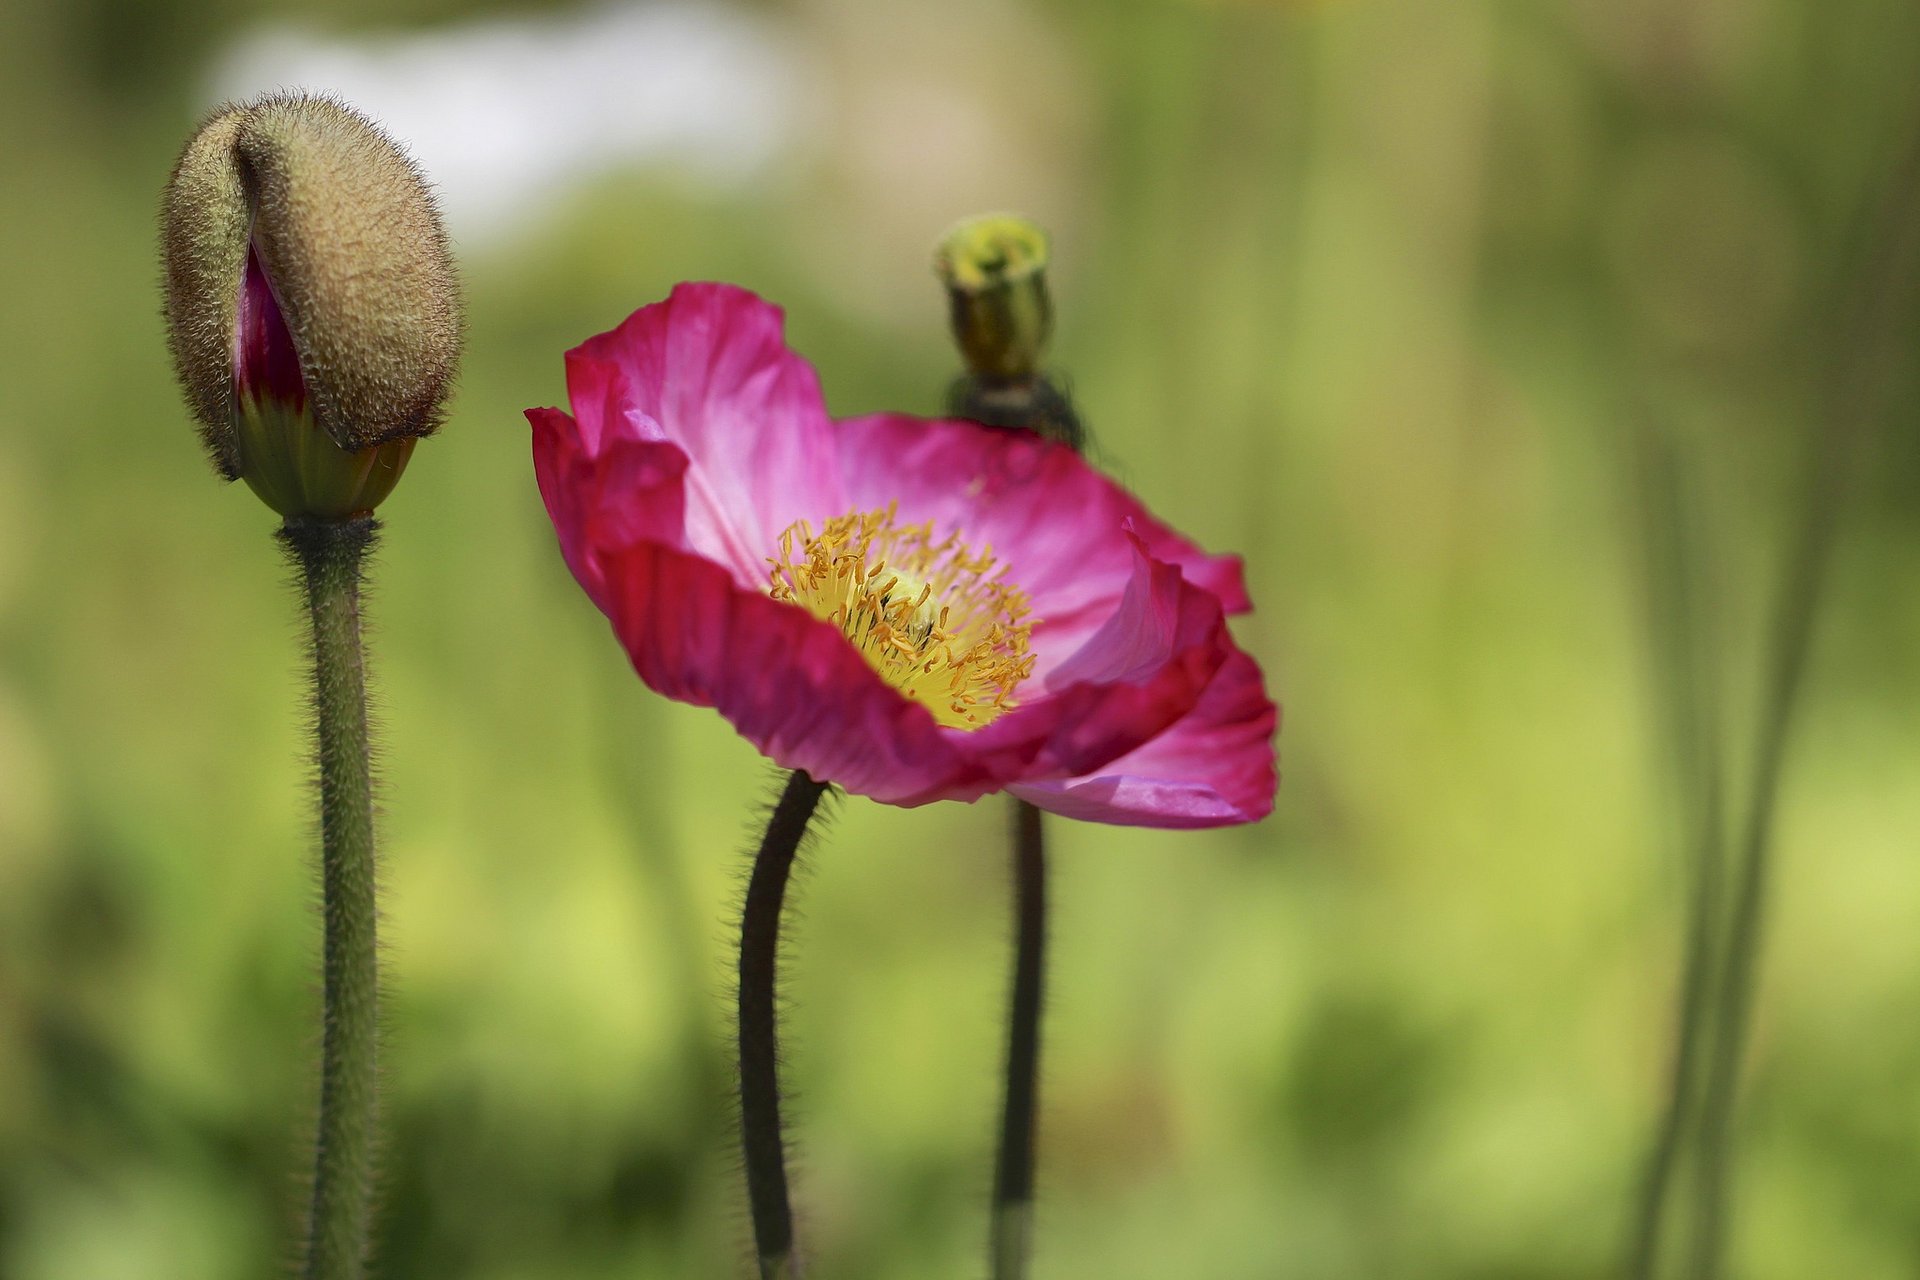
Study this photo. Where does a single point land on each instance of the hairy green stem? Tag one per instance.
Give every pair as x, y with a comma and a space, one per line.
1013, 1171
762, 1142
330, 555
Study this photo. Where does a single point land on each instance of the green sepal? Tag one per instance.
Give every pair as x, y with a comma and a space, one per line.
299, 471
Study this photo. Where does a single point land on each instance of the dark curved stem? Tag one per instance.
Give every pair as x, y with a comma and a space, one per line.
761, 1139
1013, 1171
330, 554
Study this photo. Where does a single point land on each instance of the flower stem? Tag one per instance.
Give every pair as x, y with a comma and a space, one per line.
1680, 618
1032, 404
1684, 1082
760, 1135
1882, 286
1013, 1171
330, 554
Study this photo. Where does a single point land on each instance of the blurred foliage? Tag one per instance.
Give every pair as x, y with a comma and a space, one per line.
1374, 291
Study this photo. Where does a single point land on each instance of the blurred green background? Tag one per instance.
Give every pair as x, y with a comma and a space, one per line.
1381, 293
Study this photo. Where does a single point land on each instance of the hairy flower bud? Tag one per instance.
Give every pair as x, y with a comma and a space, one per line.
994, 267
311, 302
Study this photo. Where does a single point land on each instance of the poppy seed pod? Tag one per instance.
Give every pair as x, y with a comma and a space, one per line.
995, 270
311, 302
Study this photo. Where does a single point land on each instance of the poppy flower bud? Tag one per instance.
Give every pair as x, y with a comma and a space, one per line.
311, 302
994, 267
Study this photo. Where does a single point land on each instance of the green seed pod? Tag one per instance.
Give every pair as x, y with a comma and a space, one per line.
995, 270
310, 293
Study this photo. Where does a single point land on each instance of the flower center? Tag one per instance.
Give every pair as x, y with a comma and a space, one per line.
933, 618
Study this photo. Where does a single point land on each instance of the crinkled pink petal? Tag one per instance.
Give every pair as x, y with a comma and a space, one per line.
1143, 669
794, 687
709, 371
1215, 767
630, 491
1139, 632
790, 683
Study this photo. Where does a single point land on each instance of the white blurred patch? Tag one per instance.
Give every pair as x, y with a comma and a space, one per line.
871, 124
931, 111
509, 115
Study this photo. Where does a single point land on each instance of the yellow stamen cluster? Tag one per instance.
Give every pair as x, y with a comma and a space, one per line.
934, 618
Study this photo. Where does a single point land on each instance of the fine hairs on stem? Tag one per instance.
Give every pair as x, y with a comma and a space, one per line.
1881, 285
762, 1140
330, 555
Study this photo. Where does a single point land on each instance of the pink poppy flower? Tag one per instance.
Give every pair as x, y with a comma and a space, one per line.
913, 610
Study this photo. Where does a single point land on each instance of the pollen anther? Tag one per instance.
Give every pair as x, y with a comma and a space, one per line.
935, 619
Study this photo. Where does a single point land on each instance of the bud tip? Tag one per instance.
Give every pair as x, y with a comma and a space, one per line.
989, 250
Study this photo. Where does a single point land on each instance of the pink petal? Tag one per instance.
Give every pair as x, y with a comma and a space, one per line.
1140, 671
1039, 506
630, 491
709, 371
796, 689
1215, 767
266, 364
790, 683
